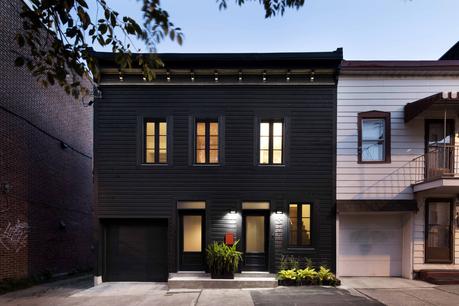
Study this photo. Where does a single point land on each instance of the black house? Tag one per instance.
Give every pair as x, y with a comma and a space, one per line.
217, 145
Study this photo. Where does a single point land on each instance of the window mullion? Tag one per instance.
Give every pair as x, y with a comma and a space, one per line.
270, 148
157, 142
207, 141
299, 231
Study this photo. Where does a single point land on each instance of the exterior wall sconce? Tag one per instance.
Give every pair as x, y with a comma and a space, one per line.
232, 211
279, 212
312, 78
192, 76
240, 76
264, 76
216, 76
168, 76
287, 78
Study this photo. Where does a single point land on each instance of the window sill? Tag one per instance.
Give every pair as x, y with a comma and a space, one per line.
207, 165
300, 249
271, 165
153, 165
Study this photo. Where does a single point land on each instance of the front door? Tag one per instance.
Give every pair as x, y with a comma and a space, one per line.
192, 238
255, 241
439, 231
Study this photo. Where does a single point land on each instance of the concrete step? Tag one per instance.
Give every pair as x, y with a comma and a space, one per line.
440, 277
204, 281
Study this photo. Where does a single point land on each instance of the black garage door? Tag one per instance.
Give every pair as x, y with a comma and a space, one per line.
136, 250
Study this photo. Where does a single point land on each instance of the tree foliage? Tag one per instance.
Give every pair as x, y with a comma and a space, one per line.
57, 37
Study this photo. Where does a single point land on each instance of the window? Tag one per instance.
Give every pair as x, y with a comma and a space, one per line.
207, 143
374, 137
155, 142
271, 142
300, 225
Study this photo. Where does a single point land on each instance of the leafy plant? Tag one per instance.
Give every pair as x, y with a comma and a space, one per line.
326, 277
284, 262
308, 263
307, 275
293, 262
287, 274
222, 258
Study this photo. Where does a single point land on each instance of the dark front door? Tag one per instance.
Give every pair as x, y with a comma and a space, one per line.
255, 241
136, 250
439, 231
192, 240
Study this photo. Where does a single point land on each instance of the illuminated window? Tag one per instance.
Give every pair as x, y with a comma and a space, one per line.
207, 143
300, 225
155, 142
271, 142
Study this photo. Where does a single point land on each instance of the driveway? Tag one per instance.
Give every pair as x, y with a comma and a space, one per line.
81, 292
403, 292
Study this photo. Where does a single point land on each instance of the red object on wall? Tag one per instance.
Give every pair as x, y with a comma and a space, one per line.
229, 238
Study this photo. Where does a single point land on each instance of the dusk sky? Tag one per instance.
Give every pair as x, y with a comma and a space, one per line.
366, 29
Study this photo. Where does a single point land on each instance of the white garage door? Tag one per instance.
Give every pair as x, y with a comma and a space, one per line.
370, 245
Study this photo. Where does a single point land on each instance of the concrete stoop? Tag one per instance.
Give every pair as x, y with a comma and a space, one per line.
190, 280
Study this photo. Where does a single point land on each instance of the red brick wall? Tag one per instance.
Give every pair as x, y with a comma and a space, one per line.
50, 186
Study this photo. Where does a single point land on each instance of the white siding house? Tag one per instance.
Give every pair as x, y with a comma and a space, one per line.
381, 201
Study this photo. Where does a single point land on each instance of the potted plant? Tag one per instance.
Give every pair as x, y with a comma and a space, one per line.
222, 260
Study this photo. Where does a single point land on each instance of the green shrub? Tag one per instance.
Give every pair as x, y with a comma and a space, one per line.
308, 263
326, 277
287, 274
307, 276
222, 258
284, 262
293, 262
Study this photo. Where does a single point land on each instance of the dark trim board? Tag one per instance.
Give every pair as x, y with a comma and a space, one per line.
376, 205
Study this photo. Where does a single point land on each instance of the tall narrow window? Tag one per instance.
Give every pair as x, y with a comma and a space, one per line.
155, 142
271, 142
300, 225
374, 137
207, 142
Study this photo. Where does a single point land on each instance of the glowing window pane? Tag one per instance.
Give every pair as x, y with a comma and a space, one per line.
264, 156
213, 142
277, 143
277, 128
213, 156
201, 142
201, 128
150, 128
192, 233
264, 129
150, 156
150, 142
264, 143
162, 128
163, 142
277, 156
200, 156
214, 128
162, 156
255, 234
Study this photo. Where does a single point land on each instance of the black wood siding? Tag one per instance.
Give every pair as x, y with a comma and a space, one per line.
128, 189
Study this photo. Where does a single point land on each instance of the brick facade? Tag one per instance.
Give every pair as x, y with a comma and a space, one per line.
45, 186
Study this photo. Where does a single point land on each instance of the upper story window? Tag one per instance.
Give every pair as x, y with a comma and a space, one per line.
300, 225
374, 137
207, 142
155, 142
271, 142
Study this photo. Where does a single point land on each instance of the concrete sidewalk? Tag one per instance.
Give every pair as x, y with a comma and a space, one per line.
394, 291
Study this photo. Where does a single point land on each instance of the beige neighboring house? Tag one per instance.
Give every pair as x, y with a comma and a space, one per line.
397, 167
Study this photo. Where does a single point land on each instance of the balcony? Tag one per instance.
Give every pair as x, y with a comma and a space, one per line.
437, 169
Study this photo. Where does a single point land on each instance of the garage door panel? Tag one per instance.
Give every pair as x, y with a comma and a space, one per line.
136, 250
370, 245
